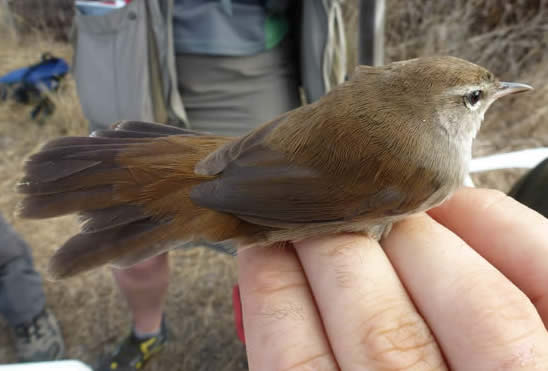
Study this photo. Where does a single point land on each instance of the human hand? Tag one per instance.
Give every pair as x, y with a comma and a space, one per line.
463, 288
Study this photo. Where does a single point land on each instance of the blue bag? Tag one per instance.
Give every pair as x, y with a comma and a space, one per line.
26, 85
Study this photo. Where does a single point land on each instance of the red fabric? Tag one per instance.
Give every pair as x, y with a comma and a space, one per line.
238, 319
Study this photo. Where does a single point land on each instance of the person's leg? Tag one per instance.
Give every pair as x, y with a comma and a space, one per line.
21, 293
144, 286
23, 303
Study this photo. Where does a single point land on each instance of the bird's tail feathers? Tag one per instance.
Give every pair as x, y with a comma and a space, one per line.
129, 186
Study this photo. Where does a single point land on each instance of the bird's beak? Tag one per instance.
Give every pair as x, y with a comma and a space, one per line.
507, 88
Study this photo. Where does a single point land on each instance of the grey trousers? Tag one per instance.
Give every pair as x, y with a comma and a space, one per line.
227, 95
21, 293
232, 95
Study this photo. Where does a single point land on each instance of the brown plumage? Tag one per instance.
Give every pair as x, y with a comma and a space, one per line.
392, 141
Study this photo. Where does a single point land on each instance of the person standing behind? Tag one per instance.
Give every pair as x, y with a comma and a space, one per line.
37, 336
234, 64
236, 69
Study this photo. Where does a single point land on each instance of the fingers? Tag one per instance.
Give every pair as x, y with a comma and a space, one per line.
282, 327
480, 319
369, 319
511, 236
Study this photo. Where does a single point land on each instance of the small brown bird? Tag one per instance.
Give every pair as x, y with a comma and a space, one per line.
392, 141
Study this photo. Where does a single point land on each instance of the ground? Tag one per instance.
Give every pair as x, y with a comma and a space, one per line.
508, 39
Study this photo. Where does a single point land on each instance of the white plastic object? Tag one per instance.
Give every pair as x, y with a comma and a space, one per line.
68, 365
527, 159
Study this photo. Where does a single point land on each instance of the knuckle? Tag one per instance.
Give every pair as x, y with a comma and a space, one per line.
283, 311
526, 358
397, 339
503, 317
417, 224
346, 247
344, 277
344, 256
273, 290
275, 294
270, 281
319, 362
493, 198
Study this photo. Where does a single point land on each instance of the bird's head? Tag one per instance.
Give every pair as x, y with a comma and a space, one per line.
445, 92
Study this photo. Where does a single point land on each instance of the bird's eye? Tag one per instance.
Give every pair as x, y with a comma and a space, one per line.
472, 99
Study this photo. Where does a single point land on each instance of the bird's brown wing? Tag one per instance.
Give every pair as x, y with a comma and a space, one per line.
260, 184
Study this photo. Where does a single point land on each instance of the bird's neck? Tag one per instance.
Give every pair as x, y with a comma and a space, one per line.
451, 154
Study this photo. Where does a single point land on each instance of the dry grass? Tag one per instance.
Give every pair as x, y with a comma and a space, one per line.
51, 16
507, 36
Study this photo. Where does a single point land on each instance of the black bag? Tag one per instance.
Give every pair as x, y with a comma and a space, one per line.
532, 189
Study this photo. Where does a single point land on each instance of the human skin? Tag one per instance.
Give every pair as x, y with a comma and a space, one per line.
460, 288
